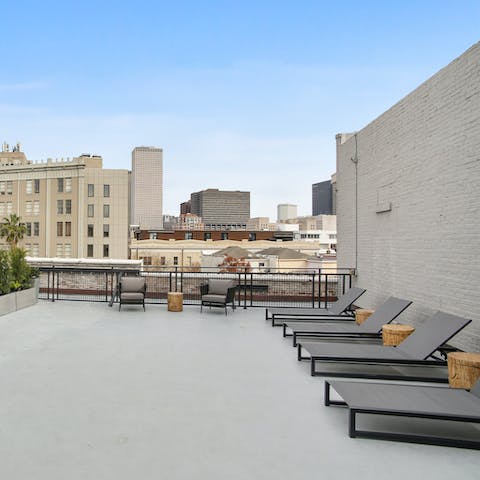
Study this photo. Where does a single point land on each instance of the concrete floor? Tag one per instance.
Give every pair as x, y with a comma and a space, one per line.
87, 392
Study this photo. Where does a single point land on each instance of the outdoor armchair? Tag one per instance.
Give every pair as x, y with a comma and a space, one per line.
132, 290
218, 293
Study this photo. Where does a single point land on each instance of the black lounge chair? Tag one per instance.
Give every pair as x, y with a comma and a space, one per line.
370, 328
218, 292
338, 311
427, 402
132, 291
416, 350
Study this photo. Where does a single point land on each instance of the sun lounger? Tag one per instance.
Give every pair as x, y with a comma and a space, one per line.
339, 310
415, 350
424, 402
370, 328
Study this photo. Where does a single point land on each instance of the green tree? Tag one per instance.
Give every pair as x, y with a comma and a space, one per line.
21, 272
12, 229
5, 272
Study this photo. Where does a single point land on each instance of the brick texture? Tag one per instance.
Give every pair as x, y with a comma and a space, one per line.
422, 158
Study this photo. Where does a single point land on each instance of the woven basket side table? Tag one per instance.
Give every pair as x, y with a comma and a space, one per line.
361, 314
175, 301
463, 369
394, 334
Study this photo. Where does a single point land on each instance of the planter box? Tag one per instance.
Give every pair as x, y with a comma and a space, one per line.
16, 300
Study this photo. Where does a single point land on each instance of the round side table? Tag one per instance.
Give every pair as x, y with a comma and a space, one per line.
393, 334
361, 314
463, 369
175, 301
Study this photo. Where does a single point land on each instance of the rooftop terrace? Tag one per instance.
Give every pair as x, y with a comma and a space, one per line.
91, 392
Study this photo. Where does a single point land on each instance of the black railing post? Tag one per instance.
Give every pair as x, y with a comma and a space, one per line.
251, 289
326, 291
245, 288
319, 287
170, 281
313, 290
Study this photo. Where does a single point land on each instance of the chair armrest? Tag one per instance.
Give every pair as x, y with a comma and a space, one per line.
203, 289
230, 294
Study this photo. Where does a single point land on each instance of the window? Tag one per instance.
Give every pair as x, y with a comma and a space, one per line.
36, 185
36, 207
224, 235
153, 235
175, 260
89, 230
91, 189
67, 250
68, 185
252, 236
162, 260
189, 236
29, 229
36, 229
106, 211
68, 207
2, 188
59, 207
60, 185
207, 236
9, 208
90, 210
59, 252
106, 231
105, 250
59, 229
106, 190
35, 250
89, 250
68, 229
29, 187
9, 187
28, 208
189, 261
146, 260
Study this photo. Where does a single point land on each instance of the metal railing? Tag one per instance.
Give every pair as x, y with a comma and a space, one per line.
286, 288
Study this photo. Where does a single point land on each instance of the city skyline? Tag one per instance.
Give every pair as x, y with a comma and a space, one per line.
250, 92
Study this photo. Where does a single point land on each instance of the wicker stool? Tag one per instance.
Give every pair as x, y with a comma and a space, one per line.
394, 334
175, 301
463, 369
361, 314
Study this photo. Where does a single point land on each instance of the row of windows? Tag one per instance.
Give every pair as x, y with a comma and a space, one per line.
106, 230
91, 210
64, 206
64, 250
106, 250
91, 190
33, 249
6, 187
6, 208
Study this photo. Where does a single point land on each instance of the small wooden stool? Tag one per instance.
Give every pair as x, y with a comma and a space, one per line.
394, 334
175, 301
361, 314
463, 369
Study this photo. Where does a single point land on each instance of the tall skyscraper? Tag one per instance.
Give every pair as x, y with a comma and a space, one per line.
147, 188
322, 198
221, 209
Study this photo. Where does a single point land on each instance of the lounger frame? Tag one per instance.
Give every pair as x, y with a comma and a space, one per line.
354, 432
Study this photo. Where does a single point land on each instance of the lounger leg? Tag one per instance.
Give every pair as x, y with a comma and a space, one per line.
284, 330
352, 429
294, 339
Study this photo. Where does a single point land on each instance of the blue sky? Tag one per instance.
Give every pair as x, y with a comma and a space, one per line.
240, 95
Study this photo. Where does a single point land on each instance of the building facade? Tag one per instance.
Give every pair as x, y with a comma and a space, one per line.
408, 203
286, 211
147, 188
322, 198
220, 209
71, 208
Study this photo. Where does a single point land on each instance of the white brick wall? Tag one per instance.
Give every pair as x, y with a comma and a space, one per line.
423, 157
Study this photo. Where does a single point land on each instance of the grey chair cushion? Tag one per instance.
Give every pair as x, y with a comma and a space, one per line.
133, 284
219, 286
214, 298
131, 296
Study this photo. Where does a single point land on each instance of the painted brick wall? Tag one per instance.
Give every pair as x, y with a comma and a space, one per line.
422, 157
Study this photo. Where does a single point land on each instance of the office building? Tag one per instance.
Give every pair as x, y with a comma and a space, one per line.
147, 187
71, 208
286, 211
322, 198
221, 209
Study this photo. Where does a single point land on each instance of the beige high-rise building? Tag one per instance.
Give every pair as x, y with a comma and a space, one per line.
147, 188
71, 208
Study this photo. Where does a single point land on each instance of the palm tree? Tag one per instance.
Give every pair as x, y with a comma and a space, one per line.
12, 229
